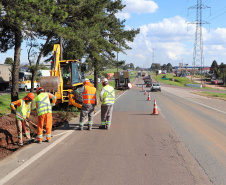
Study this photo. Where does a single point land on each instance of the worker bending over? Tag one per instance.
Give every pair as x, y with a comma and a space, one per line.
22, 115
107, 97
44, 109
89, 101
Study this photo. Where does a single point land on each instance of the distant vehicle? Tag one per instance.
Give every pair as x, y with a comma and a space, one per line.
147, 79
155, 87
43, 72
148, 84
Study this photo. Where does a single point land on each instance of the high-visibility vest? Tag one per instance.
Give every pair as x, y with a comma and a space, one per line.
22, 110
44, 105
89, 96
108, 95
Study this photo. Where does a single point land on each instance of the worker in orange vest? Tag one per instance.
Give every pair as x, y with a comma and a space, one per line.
89, 101
44, 109
22, 115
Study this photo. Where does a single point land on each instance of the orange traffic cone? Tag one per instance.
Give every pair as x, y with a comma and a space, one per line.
145, 92
149, 97
155, 109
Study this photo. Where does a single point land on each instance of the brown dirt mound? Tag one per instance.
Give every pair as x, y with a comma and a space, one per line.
8, 131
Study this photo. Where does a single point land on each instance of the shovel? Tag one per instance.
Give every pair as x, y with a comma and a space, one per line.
44, 131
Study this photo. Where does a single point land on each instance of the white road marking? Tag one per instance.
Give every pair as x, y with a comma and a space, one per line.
193, 95
41, 153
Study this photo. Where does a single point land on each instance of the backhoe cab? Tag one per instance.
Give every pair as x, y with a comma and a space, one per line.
65, 76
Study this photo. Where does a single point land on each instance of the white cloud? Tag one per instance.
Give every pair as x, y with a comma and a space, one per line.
172, 29
121, 15
173, 41
139, 6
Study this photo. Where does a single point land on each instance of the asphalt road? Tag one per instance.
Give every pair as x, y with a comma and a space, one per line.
184, 144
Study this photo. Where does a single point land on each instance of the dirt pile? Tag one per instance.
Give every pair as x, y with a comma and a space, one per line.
8, 131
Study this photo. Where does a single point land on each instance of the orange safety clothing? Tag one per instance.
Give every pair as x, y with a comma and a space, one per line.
44, 114
89, 96
47, 119
23, 109
26, 105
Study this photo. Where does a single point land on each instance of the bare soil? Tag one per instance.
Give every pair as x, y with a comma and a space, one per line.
8, 131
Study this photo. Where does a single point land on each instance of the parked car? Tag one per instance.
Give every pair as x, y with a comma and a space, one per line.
156, 87
148, 84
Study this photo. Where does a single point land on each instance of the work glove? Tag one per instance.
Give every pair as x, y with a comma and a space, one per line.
14, 111
53, 104
27, 119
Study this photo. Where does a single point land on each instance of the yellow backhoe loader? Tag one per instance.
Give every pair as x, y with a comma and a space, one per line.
65, 77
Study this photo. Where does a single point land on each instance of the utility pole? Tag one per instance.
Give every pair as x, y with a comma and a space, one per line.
198, 59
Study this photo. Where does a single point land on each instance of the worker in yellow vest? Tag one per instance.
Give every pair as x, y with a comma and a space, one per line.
22, 115
88, 92
107, 97
44, 109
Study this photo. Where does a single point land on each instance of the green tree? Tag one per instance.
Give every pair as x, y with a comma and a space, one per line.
137, 68
214, 67
27, 19
169, 68
101, 34
9, 61
155, 67
131, 66
13, 14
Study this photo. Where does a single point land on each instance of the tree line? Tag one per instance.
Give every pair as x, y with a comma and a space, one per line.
85, 29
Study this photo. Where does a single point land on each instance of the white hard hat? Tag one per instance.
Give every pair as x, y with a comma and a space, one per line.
86, 80
105, 80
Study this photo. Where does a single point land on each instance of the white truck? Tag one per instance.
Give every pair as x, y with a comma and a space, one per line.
43, 72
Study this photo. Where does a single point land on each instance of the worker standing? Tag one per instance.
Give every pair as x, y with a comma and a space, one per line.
44, 109
22, 115
88, 92
107, 97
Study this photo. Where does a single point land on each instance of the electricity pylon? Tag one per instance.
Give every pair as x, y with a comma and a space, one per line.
198, 59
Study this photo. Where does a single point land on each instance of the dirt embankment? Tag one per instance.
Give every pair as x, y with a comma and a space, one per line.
8, 131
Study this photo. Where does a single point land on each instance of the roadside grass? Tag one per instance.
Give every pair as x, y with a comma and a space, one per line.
5, 101
177, 81
213, 95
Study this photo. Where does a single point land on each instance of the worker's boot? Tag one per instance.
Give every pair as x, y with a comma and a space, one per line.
80, 127
102, 127
89, 127
107, 127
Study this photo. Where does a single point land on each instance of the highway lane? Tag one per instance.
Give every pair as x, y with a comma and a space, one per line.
201, 124
140, 148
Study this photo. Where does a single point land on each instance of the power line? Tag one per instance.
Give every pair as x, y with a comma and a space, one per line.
198, 59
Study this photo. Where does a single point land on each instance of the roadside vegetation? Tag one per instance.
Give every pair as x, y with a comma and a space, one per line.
216, 95
177, 81
181, 81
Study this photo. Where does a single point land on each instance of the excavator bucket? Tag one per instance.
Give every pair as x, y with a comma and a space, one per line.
50, 83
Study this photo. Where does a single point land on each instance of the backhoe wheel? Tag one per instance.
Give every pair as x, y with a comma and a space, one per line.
78, 98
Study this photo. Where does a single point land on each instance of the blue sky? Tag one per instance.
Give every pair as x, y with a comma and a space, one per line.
166, 32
